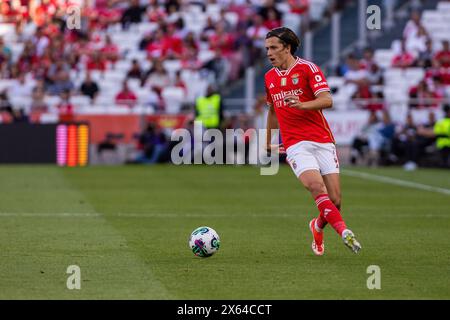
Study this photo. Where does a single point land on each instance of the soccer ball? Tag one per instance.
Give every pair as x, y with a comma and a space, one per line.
204, 242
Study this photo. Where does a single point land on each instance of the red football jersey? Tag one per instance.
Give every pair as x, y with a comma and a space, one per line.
305, 80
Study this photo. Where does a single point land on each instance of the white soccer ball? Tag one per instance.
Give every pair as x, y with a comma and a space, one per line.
204, 242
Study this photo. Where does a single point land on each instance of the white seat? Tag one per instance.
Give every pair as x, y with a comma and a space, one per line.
414, 75
146, 27
96, 75
205, 55
447, 91
283, 7
80, 100
213, 8
52, 101
194, 9
116, 76
16, 49
317, 8
136, 54
443, 6
49, 118
383, 57
196, 89
173, 98
134, 84
396, 46
394, 75
109, 88
335, 82
123, 66
440, 35
5, 84
172, 66
118, 109
232, 18
431, 15
292, 21
142, 94
19, 102
97, 109
395, 94
7, 32
195, 23
104, 100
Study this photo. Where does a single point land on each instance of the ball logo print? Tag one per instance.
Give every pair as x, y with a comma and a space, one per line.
201, 231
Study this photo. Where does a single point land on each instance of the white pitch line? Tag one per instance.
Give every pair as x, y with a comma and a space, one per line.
50, 214
144, 215
191, 215
395, 181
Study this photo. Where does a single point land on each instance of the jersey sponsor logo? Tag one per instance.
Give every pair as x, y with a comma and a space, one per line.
323, 83
280, 96
283, 82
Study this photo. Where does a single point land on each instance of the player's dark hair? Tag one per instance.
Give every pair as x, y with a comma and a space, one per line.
286, 36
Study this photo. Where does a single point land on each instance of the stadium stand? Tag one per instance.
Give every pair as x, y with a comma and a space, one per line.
209, 42
169, 52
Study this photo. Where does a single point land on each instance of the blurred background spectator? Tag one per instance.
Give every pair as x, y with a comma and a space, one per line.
160, 56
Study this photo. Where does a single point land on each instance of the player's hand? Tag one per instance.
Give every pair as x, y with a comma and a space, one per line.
292, 101
276, 148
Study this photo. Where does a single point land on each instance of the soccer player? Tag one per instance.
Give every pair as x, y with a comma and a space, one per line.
297, 92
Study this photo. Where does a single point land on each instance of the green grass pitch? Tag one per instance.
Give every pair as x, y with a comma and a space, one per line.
127, 229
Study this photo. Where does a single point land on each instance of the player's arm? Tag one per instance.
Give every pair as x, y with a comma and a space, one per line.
319, 86
323, 101
272, 123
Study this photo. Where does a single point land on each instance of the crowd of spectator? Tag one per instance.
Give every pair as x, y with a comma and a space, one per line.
416, 49
52, 53
384, 142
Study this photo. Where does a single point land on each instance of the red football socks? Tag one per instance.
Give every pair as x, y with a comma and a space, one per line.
329, 213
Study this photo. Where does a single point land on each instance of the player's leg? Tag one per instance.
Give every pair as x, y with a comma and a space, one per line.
333, 185
329, 166
303, 163
313, 182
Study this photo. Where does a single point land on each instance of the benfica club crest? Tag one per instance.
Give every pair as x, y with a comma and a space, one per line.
295, 79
